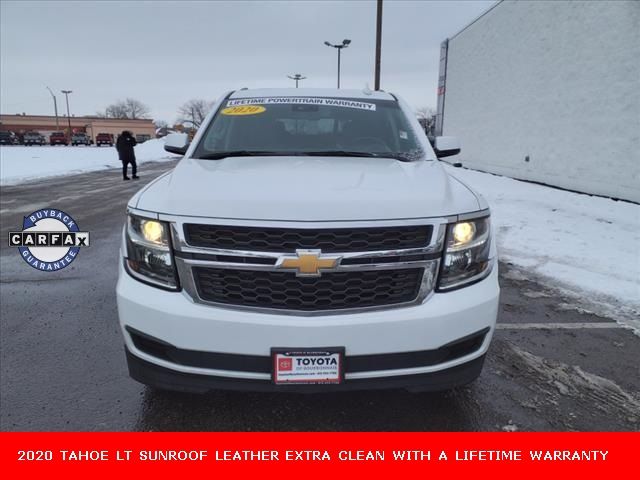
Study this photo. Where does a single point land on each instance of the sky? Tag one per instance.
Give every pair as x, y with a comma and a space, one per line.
164, 53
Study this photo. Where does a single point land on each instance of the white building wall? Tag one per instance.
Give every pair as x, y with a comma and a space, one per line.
558, 82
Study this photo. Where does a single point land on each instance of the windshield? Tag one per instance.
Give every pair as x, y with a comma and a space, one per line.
309, 126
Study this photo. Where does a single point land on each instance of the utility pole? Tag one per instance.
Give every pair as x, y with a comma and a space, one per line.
345, 44
55, 108
66, 94
339, 52
297, 77
378, 45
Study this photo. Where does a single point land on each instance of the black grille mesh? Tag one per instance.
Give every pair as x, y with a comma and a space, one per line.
287, 240
331, 291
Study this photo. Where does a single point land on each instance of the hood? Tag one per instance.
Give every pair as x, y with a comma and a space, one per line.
307, 189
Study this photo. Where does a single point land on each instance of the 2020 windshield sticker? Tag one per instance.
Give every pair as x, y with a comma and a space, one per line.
50, 239
243, 110
334, 102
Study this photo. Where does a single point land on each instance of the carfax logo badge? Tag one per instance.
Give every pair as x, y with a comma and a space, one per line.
50, 239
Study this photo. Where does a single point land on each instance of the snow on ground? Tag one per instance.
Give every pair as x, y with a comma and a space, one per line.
19, 164
584, 244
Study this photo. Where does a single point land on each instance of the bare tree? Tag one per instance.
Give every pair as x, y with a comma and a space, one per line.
425, 112
136, 109
116, 110
129, 108
160, 124
426, 117
195, 111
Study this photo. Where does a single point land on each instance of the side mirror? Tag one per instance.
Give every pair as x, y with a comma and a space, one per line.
176, 143
446, 146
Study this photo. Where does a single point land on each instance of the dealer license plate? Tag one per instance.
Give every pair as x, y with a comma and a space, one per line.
307, 366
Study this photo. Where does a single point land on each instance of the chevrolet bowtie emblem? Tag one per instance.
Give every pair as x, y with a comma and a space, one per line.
308, 263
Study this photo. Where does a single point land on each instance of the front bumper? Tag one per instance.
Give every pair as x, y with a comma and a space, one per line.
156, 376
436, 345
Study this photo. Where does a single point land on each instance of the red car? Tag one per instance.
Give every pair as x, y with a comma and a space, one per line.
104, 139
58, 138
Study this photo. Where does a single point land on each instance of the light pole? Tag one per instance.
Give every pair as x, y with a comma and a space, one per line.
297, 77
55, 108
345, 44
66, 94
378, 44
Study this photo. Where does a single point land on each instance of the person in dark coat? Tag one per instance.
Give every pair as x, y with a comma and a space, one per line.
124, 145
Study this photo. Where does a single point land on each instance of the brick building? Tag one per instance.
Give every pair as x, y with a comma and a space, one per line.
45, 124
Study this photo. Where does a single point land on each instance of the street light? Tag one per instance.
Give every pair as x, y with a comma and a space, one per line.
345, 44
297, 77
378, 45
55, 108
66, 94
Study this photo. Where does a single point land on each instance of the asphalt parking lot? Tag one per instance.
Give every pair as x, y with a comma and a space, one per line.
552, 365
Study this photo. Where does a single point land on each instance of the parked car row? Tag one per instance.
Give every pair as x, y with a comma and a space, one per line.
59, 138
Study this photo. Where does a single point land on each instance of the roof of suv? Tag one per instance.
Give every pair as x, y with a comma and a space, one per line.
311, 92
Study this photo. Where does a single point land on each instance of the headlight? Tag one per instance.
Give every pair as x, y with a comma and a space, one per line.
149, 257
466, 256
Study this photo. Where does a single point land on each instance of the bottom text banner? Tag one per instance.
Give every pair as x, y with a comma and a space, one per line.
527, 455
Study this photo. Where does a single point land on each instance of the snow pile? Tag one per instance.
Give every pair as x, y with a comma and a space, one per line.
585, 244
19, 164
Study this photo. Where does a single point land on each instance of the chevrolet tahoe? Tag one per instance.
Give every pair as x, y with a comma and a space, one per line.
308, 240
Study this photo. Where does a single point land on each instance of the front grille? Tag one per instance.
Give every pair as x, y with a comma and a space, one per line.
287, 240
331, 291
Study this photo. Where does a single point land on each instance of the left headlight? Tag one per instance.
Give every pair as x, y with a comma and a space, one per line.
467, 253
149, 257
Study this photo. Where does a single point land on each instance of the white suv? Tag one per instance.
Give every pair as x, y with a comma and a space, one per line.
308, 240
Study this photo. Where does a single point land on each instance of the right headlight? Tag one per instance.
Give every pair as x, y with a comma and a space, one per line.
148, 252
467, 253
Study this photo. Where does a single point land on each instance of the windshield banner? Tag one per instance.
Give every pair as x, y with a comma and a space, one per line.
334, 102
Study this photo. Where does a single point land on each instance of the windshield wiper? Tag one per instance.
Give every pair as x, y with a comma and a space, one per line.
347, 153
239, 153
321, 153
